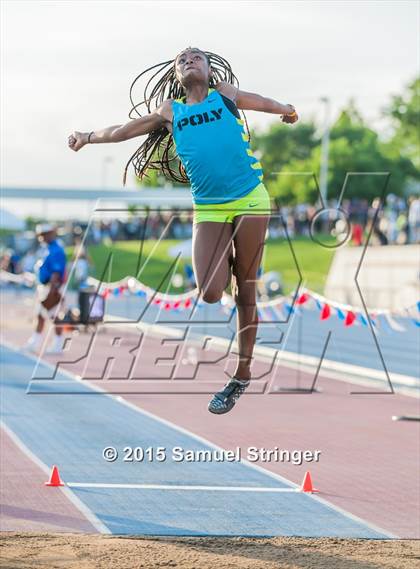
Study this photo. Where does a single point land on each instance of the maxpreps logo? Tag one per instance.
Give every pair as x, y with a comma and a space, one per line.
200, 118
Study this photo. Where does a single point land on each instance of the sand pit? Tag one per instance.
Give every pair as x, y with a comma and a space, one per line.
74, 551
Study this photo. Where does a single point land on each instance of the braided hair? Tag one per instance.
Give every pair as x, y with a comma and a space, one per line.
158, 150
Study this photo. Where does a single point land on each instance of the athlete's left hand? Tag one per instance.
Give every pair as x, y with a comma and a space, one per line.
291, 117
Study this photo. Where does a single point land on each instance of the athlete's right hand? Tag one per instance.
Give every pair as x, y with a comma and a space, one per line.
77, 140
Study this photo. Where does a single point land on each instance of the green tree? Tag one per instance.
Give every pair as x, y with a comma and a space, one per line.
354, 147
357, 148
404, 114
282, 144
154, 179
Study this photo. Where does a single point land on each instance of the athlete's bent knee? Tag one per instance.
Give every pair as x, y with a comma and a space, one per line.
212, 296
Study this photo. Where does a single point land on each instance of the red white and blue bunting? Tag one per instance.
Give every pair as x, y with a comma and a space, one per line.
275, 310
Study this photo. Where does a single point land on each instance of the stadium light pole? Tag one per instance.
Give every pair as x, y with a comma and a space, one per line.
323, 176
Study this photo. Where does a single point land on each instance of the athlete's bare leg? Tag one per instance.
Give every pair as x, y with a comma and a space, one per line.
249, 239
212, 257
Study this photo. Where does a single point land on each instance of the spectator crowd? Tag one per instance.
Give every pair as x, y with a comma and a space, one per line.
396, 223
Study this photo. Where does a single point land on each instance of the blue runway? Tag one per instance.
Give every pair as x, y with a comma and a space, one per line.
71, 431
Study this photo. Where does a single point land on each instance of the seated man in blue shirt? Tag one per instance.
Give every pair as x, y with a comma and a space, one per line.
51, 277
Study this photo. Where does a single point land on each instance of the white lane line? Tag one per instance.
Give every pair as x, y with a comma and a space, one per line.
89, 515
348, 373
175, 487
208, 443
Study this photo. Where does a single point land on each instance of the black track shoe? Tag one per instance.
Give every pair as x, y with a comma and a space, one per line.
224, 400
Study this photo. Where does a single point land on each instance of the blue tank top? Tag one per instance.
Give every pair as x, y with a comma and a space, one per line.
213, 146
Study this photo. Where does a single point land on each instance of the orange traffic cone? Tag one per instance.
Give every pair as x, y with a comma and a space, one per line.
307, 484
55, 479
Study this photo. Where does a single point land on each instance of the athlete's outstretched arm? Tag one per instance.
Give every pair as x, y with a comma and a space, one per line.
120, 132
253, 102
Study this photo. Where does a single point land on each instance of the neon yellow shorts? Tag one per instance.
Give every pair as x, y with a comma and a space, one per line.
257, 202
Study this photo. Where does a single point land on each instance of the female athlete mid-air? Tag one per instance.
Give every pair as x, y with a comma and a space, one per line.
196, 135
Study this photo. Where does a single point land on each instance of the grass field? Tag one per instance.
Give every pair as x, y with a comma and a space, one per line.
129, 258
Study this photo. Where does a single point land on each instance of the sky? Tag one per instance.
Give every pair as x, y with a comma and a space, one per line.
68, 66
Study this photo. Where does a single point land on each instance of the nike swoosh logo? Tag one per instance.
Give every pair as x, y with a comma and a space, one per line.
252, 204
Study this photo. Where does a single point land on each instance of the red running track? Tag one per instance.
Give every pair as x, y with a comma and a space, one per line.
368, 464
